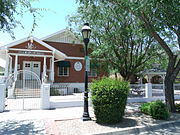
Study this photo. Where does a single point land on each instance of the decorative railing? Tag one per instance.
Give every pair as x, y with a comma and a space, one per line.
58, 89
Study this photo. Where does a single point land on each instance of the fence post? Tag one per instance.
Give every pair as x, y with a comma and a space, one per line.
45, 94
2, 96
148, 91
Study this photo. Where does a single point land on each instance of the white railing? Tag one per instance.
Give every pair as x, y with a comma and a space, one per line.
150, 92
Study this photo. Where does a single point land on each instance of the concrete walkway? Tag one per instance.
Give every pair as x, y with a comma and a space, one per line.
53, 122
36, 122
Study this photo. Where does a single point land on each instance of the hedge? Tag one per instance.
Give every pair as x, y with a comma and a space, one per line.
109, 97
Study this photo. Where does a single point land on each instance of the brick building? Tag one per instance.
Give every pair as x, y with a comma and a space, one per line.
58, 57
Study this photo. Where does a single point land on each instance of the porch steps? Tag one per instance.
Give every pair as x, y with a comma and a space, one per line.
30, 93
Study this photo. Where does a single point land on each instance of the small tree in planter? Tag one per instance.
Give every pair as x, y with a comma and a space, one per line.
109, 97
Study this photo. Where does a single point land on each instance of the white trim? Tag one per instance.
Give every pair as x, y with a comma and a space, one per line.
53, 34
44, 67
30, 55
15, 67
52, 71
59, 32
10, 65
59, 54
17, 49
7, 64
75, 58
72, 58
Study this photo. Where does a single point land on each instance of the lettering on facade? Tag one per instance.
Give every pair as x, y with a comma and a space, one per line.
31, 52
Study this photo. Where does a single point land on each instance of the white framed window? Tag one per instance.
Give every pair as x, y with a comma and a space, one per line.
92, 73
36, 65
63, 71
27, 65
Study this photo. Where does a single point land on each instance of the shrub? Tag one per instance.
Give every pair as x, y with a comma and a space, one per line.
109, 97
158, 110
145, 108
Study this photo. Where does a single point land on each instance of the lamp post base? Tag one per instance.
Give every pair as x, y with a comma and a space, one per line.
85, 117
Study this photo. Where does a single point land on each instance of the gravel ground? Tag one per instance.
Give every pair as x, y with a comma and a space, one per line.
78, 127
131, 119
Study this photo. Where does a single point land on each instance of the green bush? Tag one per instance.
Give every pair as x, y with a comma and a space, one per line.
145, 108
109, 97
158, 110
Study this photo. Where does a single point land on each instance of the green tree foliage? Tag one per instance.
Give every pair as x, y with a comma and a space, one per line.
10, 9
117, 36
161, 20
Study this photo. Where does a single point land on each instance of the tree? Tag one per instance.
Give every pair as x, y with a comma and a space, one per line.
161, 18
118, 37
10, 8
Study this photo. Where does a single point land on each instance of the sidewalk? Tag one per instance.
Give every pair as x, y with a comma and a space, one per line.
67, 121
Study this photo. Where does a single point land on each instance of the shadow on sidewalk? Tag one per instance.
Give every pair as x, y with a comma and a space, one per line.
19, 127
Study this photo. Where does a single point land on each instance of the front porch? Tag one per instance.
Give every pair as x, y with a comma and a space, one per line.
33, 55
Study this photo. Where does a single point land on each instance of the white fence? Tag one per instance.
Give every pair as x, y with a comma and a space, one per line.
150, 92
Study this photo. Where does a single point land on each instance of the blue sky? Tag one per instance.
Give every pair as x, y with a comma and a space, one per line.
51, 21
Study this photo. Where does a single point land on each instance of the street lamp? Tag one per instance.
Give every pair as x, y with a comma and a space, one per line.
86, 31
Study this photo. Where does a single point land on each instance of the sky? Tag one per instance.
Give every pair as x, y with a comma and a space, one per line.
51, 21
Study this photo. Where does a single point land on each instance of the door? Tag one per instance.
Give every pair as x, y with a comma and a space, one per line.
36, 67
33, 66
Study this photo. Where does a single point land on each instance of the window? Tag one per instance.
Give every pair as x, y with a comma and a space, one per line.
27, 65
63, 71
36, 65
92, 73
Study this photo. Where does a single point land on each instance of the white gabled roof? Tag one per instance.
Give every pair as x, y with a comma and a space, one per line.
57, 53
64, 36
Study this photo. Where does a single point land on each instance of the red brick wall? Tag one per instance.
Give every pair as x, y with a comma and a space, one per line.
72, 50
74, 76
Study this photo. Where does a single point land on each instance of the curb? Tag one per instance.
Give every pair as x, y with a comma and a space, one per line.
139, 129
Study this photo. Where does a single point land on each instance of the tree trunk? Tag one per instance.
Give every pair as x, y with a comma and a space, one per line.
169, 81
169, 93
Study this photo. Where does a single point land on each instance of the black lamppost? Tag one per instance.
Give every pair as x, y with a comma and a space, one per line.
86, 31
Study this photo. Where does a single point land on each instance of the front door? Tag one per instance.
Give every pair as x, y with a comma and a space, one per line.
33, 66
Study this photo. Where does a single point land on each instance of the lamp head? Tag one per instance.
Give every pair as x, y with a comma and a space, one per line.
86, 32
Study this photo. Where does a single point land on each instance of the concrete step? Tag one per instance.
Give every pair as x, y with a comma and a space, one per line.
19, 93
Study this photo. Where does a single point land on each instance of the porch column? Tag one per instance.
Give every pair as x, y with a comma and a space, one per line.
52, 69
149, 78
15, 67
44, 69
7, 64
10, 65
163, 77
